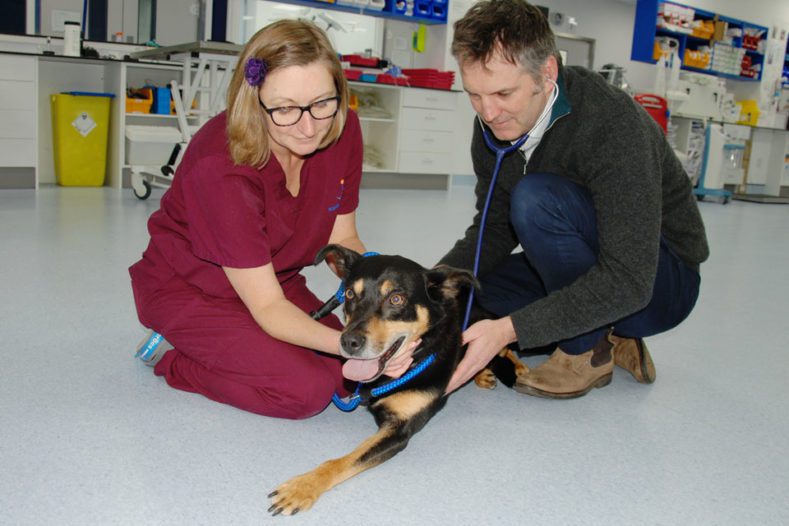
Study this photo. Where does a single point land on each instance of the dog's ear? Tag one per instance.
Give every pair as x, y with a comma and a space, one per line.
338, 256
449, 281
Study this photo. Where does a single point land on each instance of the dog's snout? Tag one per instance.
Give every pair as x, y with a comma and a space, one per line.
352, 342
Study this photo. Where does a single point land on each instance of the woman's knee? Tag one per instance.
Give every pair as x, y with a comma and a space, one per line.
293, 397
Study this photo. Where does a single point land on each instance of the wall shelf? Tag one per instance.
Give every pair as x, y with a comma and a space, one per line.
389, 11
646, 29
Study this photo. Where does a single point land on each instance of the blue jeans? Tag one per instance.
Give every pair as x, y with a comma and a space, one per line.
554, 219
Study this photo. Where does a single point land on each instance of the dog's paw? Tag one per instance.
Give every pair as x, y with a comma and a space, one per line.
521, 369
485, 379
297, 494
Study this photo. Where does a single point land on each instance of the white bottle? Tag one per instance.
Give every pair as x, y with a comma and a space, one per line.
71, 39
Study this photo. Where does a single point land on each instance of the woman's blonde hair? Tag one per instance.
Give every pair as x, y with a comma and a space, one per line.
281, 44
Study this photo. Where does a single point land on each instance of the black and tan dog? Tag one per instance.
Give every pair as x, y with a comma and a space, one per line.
390, 302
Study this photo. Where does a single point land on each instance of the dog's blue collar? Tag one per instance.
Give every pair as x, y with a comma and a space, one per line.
356, 398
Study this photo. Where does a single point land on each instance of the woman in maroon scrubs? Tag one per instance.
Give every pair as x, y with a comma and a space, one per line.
261, 189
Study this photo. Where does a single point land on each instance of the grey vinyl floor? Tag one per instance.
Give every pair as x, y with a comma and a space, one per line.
88, 436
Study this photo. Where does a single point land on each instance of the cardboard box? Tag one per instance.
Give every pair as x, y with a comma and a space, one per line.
720, 30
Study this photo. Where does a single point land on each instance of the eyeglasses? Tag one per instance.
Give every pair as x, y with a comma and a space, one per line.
290, 115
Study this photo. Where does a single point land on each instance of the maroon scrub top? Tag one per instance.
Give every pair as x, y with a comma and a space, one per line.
218, 214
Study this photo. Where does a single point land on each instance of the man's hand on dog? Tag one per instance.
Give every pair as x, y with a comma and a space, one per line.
485, 339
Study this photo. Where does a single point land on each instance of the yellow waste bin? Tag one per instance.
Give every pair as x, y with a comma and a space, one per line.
80, 131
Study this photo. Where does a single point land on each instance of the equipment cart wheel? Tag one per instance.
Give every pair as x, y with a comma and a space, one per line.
145, 194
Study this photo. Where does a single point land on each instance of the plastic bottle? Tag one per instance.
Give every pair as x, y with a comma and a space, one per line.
71, 39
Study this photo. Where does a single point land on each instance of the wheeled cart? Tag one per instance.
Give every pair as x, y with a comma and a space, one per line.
207, 69
145, 177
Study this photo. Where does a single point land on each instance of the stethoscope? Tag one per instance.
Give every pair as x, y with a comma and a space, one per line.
501, 152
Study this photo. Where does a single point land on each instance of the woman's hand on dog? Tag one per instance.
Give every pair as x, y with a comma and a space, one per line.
485, 339
400, 363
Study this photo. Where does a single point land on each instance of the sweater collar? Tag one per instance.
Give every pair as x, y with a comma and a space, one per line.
561, 107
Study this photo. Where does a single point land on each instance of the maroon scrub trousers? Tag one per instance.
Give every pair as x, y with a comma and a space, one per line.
215, 215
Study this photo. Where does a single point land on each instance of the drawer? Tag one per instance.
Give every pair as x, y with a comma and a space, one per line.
17, 124
426, 141
434, 120
14, 67
430, 99
17, 152
17, 95
424, 163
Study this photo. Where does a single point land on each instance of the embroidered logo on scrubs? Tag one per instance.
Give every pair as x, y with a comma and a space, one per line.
336, 205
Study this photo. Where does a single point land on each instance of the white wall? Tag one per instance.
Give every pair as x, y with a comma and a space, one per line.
358, 34
176, 21
47, 6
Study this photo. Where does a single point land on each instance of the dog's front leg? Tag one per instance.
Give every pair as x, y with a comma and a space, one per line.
397, 417
301, 492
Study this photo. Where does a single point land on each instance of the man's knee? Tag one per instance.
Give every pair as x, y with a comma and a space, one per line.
532, 200
543, 206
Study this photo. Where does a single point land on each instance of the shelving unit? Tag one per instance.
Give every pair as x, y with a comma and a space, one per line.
433, 12
379, 133
417, 136
701, 29
414, 139
137, 75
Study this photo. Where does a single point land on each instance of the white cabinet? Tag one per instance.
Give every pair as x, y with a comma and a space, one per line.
426, 131
408, 130
18, 121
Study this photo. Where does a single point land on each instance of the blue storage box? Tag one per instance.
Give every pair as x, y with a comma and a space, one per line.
423, 8
439, 11
161, 101
399, 7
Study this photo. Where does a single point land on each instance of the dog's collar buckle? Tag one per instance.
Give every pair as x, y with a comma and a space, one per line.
351, 403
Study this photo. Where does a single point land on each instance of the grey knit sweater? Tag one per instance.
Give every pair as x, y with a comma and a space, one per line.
599, 138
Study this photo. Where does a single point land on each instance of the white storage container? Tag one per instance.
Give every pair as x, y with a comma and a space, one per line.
150, 145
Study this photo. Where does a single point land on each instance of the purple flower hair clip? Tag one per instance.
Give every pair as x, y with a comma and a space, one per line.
255, 71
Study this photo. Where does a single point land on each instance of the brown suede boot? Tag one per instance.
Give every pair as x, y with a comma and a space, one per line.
569, 376
632, 355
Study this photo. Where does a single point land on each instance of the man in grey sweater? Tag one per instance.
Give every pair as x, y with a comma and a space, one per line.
610, 232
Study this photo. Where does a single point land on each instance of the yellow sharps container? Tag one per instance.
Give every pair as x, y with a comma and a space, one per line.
80, 132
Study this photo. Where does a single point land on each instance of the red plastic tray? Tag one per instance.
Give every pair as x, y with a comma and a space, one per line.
358, 60
352, 74
389, 79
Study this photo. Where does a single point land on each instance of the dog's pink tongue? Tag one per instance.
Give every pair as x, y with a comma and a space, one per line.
360, 370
